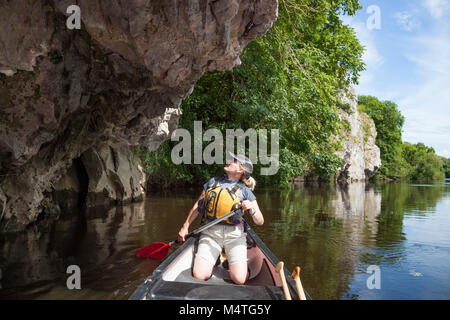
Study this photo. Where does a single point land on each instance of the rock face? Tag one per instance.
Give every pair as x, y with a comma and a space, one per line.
360, 155
114, 175
116, 81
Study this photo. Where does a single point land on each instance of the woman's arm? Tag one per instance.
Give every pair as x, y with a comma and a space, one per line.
256, 215
193, 213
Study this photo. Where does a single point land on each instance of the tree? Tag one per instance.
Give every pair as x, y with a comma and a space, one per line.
424, 164
290, 79
388, 122
446, 166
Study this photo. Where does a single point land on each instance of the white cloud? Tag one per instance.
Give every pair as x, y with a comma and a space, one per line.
419, 83
426, 102
371, 57
437, 8
443, 153
407, 21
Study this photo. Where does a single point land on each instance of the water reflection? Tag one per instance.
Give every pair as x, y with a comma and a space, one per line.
413, 239
320, 227
101, 243
333, 232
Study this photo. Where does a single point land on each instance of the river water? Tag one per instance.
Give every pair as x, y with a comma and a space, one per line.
338, 235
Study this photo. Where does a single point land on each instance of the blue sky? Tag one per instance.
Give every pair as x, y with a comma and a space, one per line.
408, 62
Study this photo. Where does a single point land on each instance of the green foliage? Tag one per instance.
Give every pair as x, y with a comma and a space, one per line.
55, 57
37, 93
366, 128
388, 122
446, 166
159, 166
400, 160
291, 80
424, 164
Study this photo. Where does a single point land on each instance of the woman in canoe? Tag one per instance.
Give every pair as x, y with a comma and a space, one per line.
220, 196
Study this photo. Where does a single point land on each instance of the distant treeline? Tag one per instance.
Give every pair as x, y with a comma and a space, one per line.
401, 160
446, 162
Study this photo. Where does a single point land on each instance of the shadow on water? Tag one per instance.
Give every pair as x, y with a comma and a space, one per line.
102, 244
333, 232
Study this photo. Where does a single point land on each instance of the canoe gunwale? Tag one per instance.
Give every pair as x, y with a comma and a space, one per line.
144, 289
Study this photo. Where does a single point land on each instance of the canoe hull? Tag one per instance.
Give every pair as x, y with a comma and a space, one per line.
173, 279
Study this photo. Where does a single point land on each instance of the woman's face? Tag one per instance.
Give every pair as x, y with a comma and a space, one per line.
233, 167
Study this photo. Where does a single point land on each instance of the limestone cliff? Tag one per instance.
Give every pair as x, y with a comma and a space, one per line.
360, 155
114, 82
358, 152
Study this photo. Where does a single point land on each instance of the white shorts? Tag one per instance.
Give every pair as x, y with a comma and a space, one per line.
230, 237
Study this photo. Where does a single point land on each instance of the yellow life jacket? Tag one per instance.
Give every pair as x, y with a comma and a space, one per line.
220, 200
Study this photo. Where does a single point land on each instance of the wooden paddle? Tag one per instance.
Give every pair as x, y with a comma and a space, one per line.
280, 270
296, 277
159, 250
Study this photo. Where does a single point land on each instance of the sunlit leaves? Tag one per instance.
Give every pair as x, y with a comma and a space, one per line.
291, 80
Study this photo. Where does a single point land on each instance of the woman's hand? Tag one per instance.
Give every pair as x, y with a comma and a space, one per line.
255, 213
246, 205
182, 233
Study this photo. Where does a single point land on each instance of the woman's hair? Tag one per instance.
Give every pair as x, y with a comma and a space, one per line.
249, 182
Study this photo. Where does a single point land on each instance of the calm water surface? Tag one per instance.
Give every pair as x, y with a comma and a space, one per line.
334, 233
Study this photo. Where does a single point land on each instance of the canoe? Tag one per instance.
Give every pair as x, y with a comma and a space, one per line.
173, 279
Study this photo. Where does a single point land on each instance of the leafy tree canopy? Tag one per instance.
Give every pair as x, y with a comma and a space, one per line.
290, 79
400, 160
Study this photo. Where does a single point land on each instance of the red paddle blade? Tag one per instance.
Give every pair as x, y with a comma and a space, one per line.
155, 251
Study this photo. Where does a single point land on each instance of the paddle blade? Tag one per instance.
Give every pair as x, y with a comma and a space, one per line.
155, 251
